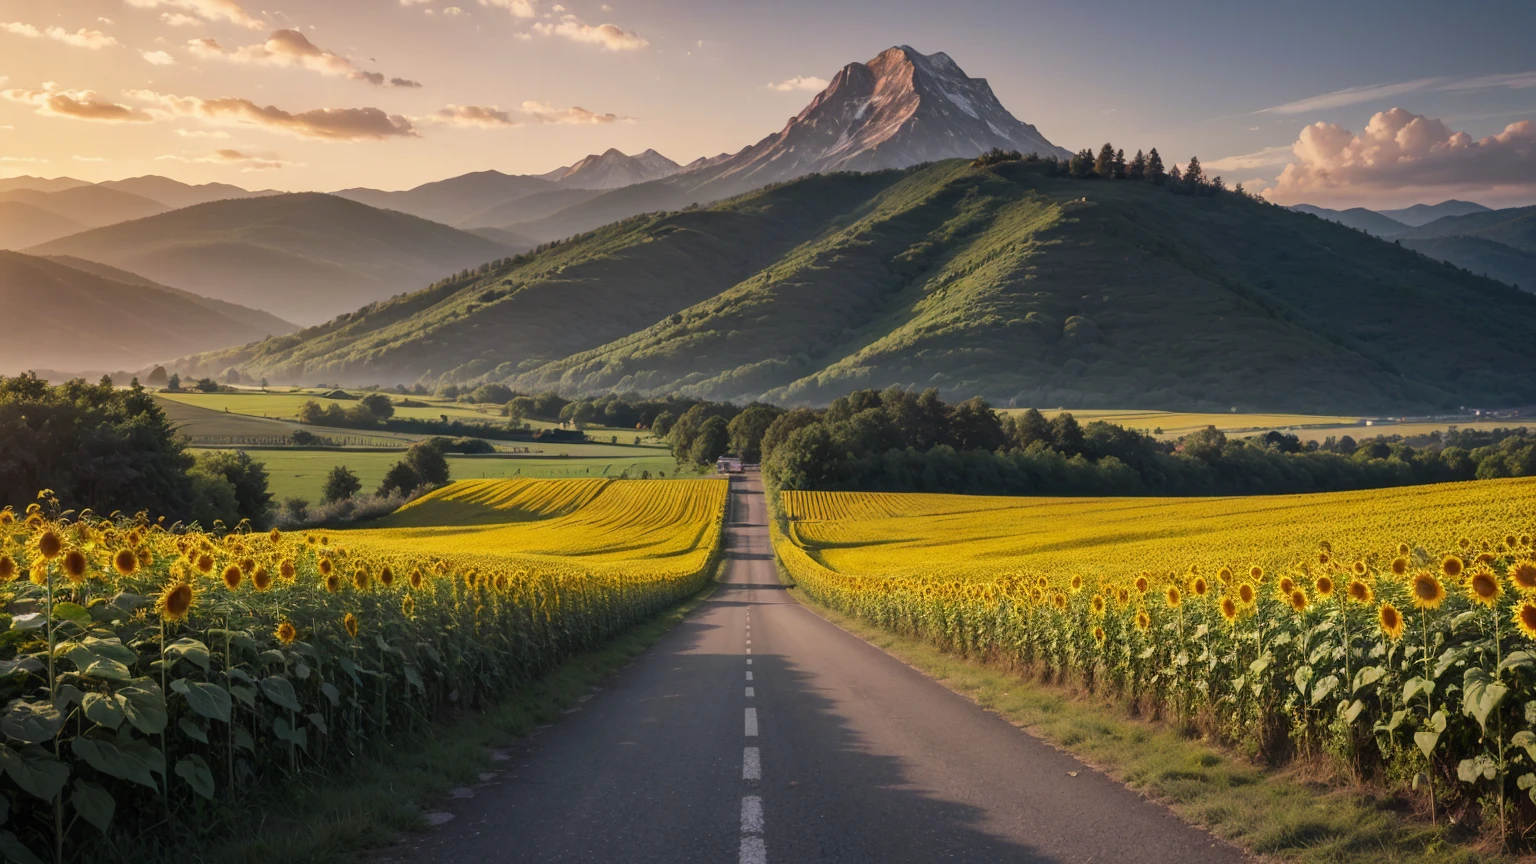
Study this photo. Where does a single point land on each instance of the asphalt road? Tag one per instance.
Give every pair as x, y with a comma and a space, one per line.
757, 732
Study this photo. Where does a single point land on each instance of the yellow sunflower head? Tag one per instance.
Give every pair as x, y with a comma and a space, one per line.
205, 564
1525, 618
1173, 597
1523, 574
1247, 594
1059, 600
1198, 586
1324, 586
415, 578
1483, 586
408, 606
232, 577
1360, 591
360, 578
1358, 568
286, 570
1464, 543
75, 565
349, 623
1256, 573
261, 577
333, 583
1428, 593
386, 576
1400, 566
1142, 584
1143, 620
1228, 609
1324, 559
1298, 600
286, 633
1122, 596
1224, 575
1390, 621
1286, 586
8, 568
175, 601
50, 544
275, 535
1097, 604
1098, 635
125, 562
326, 566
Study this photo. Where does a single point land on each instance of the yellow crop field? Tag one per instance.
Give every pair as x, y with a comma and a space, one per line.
1394, 629
147, 666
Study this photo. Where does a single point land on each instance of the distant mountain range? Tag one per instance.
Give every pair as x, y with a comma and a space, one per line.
1003, 281
1499, 244
64, 313
305, 257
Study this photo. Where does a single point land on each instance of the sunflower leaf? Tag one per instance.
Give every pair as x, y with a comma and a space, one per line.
1366, 677
190, 729
145, 705
94, 804
280, 691
191, 650
35, 770
209, 700
110, 759
31, 722
104, 709
197, 774
15, 851
1481, 694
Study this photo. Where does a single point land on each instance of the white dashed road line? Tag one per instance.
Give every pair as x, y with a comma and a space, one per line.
752, 815
751, 764
751, 730
749, 675
753, 851
750, 694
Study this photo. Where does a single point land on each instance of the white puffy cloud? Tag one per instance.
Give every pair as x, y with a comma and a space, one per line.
205, 10
177, 19
494, 117
609, 37
478, 116
158, 58
518, 8
1400, 151
799, 82
51, 101
454, 11
82, 38
325, 124
292, 49
201, 133
90, 158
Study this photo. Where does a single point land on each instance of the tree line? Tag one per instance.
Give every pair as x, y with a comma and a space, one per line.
1110, 163
897, 440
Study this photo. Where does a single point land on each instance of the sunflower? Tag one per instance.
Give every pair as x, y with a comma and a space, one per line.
1059, 600
386, 576
1097, 604
1143, 620
1400, 566
1358, 568
1298, 600
1174, 597
1198, 586
7, 516
204, 564
1324, 587
360, 578
1247, 594
1428, 593
8, 568
1122, 596
286, 570
1525, 618
1286, 586
175, 601
333, 583
275, 536
1360, 591
415, 577
125, 562
285, 632
325, 566
1452, 566
146, 557
1464, 543
74, 566
349, 623
1098, 635
1256, 573
262, 579
1224, 575
1523, 574
50, 544
1483, 586
408, 607
1142, 584
1403, 550
1228, 610
1324, 558
232, 577
1390, 621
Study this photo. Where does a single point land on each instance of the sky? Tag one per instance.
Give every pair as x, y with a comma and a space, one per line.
1357, 103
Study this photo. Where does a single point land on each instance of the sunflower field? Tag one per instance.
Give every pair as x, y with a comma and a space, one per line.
157, 674
1393, 631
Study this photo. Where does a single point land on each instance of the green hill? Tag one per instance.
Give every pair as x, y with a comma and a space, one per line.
61, 317
1026, 288
303, 257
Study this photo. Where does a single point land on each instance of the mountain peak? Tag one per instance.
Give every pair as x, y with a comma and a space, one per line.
613, 168
900, 108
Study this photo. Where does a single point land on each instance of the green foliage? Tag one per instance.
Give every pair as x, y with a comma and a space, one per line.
246, 480
711, 442
94, 443
340, 485
746, 431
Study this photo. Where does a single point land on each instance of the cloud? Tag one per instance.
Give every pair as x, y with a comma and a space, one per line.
202, 133
206, 10
325, 124
1249, 161
292, 49
82, 38
483, 117
609, 36
107, 21
494, 117
158, 58
454, 11
31, 160
176, 19
246, 161
543, 112
50, 101
518, 8
799, 82
90, 158
1376, 92
1400, 151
